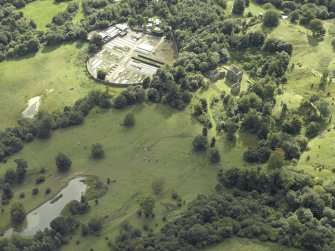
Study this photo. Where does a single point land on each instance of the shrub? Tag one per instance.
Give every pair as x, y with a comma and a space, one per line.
40, 179
97, 151
214, 155
35, 191
129, 120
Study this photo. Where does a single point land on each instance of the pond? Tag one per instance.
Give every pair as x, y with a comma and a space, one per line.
40, 218
32, 108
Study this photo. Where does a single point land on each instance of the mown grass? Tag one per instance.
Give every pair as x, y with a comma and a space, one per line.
159, 145
239, 244
42, 11
58, 74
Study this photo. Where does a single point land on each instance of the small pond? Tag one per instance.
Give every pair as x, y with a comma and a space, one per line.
32, 108
40, 218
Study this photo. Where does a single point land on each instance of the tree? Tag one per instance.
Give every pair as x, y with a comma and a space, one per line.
63, 162
129, 120
7, 192
95, 225
157, 185
317, 28
277, 158
312, 130
10, 176
44, 126
101, 74
97, 151
96, 42
147, 205
238, 7
120, 101
21, 166
294, 16
271, 18
200, 143
17, 213
214, 155
63, 225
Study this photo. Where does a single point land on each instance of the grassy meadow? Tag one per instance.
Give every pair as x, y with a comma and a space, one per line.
42, 11
160, 143
158, 146
57, 74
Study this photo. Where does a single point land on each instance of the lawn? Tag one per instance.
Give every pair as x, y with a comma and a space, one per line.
158, 146
239, 244
42, 11
58, 74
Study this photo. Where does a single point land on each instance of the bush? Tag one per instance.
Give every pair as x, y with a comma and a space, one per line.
35, 191
157, 185
97, 151
40, 179
214, 155
129, 120
47, 190
94, 225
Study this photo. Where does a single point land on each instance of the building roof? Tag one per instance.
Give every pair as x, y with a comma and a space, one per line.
122, 27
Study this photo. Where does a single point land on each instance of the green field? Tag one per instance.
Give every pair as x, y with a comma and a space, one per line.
58, 74
239, 244
42, 11
156, 147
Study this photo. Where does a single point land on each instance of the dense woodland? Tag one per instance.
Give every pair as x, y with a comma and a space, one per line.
273, 203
